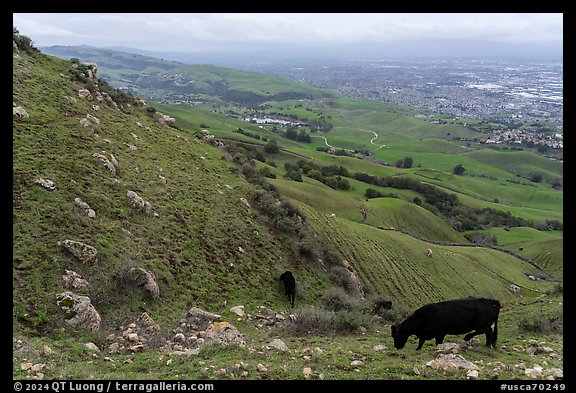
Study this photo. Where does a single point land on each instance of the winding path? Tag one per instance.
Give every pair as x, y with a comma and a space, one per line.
334, 147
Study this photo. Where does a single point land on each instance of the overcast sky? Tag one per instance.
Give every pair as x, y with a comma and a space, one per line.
216, 31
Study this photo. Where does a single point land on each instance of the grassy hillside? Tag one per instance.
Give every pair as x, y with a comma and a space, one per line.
215, 235
163, 80
204, 247
382, 212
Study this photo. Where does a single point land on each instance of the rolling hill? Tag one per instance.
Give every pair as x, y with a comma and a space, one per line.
168, 81
150, 219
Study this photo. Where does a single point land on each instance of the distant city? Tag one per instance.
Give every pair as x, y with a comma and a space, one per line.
499, 90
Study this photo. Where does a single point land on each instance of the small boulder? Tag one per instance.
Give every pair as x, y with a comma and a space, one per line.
198, 319
84, 206
137, 202
145, 280
278, 344
75, 281
106, 162
238, 310
79, 311
19, 111
82, 251
47, 184
451, 362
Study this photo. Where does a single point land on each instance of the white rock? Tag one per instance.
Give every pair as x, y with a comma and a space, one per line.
238, 310
278, 344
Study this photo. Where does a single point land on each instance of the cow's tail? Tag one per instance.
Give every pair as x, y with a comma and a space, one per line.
495, 334
495, 331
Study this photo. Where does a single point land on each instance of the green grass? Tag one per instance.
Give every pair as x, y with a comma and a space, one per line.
206, 247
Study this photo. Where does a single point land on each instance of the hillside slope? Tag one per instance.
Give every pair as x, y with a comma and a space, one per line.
169, 81
205, 246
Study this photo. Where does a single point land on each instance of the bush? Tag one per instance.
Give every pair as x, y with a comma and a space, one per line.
311, 320
542, 324
336, 299
459, 169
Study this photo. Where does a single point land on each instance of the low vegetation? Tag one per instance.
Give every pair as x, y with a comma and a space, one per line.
222, 213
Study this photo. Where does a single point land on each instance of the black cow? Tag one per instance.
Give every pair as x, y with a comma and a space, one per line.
289, 285
470, 315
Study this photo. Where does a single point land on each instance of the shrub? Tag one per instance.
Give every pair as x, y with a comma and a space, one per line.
543, 324
311, 320
336, 299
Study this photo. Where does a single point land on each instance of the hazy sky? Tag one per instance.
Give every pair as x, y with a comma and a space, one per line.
196, 32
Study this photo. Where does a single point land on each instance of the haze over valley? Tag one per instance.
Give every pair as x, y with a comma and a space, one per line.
169, 171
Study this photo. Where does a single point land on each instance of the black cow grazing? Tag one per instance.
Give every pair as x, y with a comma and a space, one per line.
470, 315
289, 285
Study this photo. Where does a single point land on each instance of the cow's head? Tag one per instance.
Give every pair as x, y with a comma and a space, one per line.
400, 337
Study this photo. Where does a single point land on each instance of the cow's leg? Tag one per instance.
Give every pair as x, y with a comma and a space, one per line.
440, 339
420, 343
469, 336
488, 333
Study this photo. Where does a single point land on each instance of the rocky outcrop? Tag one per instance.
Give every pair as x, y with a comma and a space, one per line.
84, 206
137, 202
19, 111
224, 333
198, 319
82, 251
106, 162
85, 94
451, 362
145, 280
79, 311
165, 119
75, 281
46, 183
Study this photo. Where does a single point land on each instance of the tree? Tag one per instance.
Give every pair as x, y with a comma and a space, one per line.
459, 169
408, 162
399, 164
272, 147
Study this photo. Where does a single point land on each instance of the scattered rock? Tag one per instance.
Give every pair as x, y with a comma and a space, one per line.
75, 281
278, 344
19, 111
165, 119
238, 310
47, 184
87, 209
106, 162
85, 93
137, 202
380, 347
472, 374
82, 251
357, 363
515, 289
534, 372
198, 319
447, 347
84, 122
451, 362
261, 368
79, 311
145, 280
